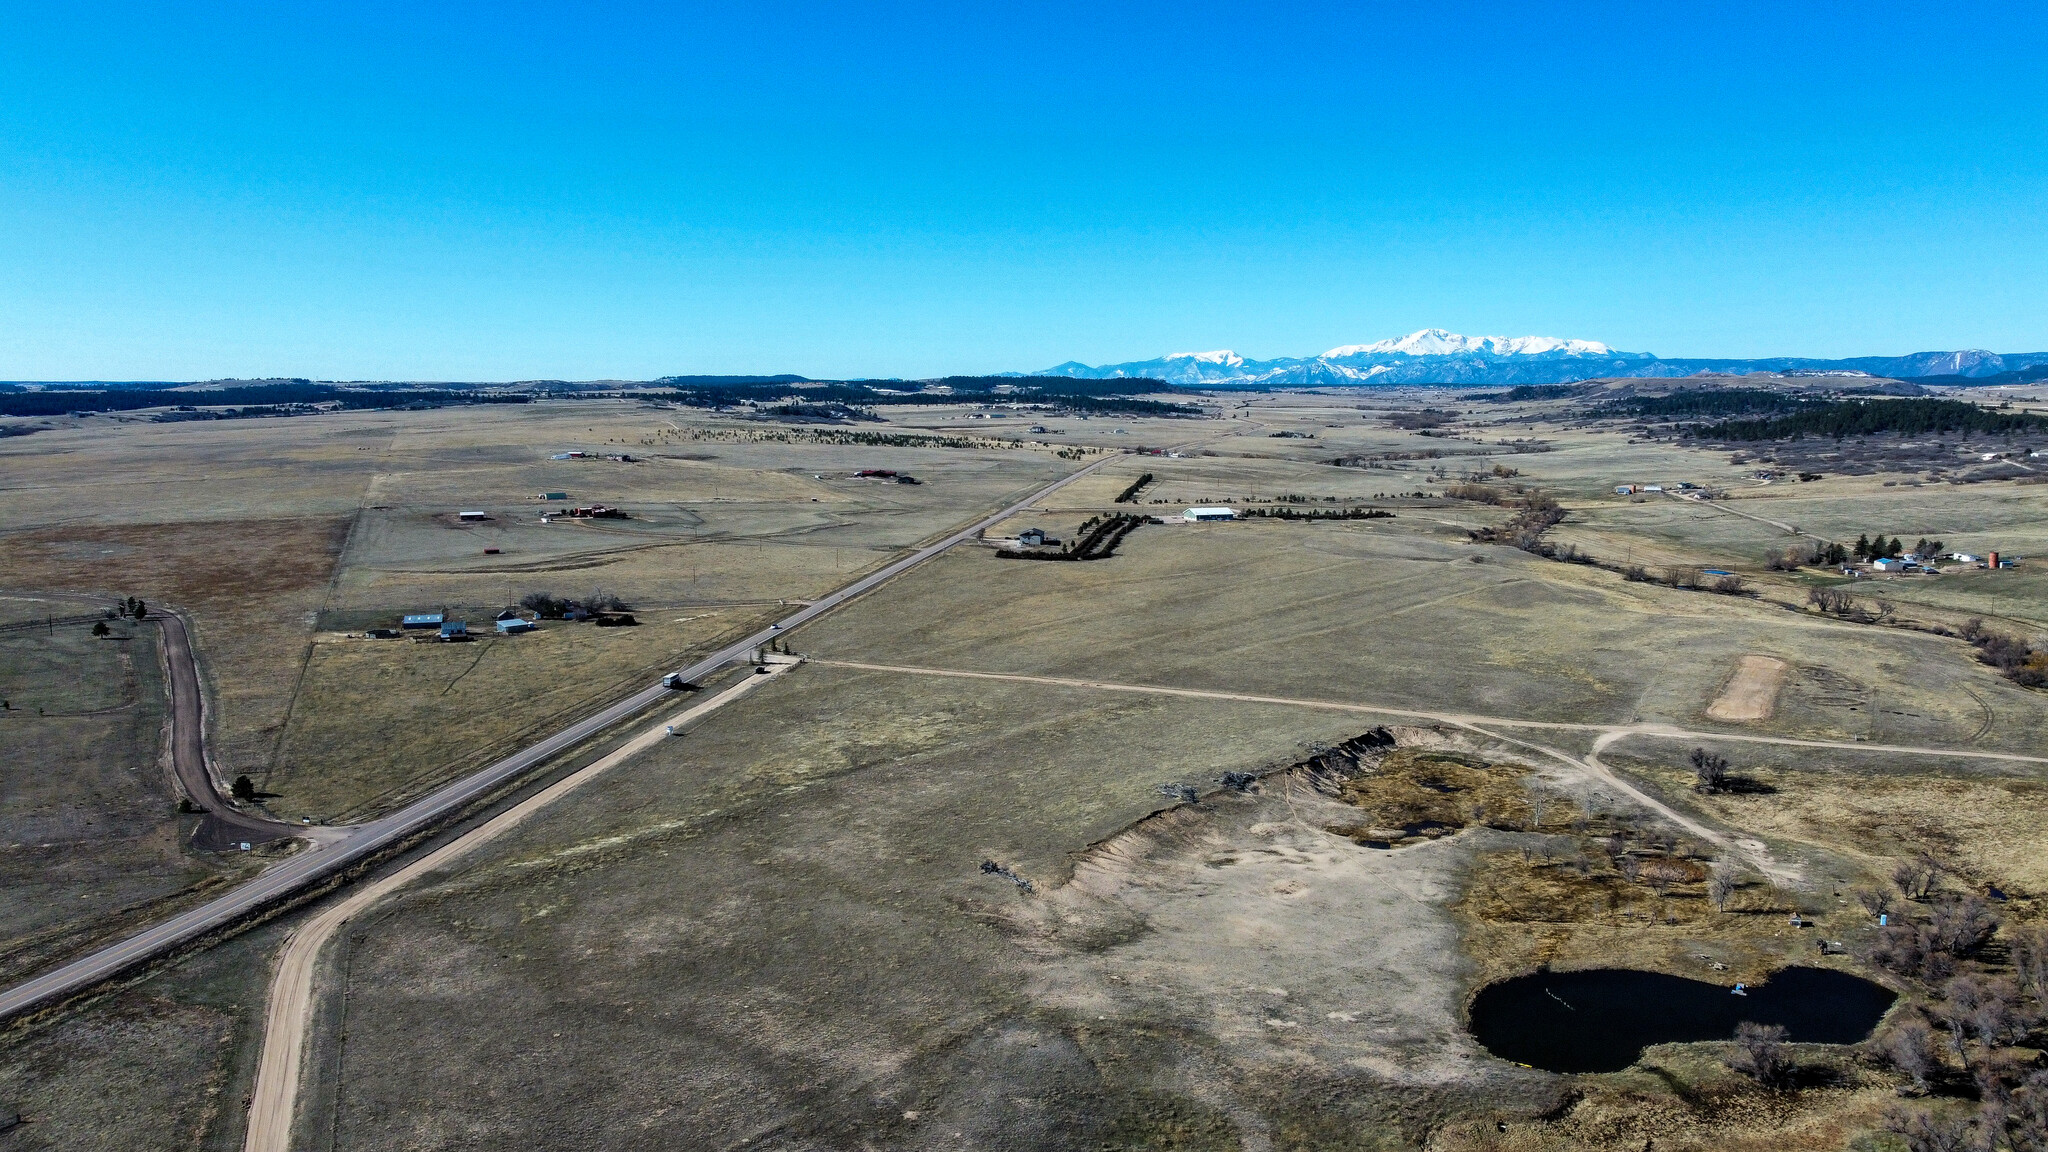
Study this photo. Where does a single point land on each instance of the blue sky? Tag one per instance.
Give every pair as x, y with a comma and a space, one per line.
505, 192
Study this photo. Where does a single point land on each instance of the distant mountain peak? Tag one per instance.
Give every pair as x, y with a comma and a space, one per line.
1438, 356
1438, 342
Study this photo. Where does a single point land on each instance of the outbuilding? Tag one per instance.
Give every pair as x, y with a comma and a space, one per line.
455, 630
421, 620
1200, 515
472, 516
515, 626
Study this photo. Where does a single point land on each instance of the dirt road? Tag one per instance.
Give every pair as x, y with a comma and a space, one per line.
1589, 765
225, 827
275, 1098
287, 877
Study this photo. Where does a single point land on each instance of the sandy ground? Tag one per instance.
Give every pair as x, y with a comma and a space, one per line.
1752, 693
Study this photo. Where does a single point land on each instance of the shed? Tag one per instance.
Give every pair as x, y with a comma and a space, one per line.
472, 515
421, 620
455, 630
552, 496
515, 626
1194, 515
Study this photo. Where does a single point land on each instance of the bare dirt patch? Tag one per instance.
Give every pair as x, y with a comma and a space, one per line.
1752, 693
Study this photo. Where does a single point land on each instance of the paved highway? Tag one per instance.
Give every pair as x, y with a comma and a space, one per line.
301, 871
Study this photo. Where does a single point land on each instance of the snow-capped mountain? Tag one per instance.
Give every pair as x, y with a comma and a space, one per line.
1430, 356
1434, 356
1437, 342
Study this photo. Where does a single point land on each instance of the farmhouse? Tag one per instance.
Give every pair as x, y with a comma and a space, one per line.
1195, 515
1034, 537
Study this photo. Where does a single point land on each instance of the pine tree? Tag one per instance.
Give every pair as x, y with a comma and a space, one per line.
1863, 547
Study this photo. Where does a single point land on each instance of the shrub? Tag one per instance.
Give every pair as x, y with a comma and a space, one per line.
1909, 1047
1760, 1054
1709, 770
1962, 925
544, 605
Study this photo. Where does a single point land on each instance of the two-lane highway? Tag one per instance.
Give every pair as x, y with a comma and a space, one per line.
290, 876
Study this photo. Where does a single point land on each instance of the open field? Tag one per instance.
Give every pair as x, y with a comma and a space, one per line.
784, 912
162, 1066
268, 532
380, 721
90, 836
807, 924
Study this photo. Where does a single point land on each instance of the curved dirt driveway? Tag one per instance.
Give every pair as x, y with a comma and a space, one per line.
224, 826
274, 1100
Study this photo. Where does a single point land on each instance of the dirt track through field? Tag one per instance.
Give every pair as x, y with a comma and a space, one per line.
225, 825
1590, 765
274, 1099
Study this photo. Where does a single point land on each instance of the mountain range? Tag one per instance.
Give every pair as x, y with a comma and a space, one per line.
1434, 356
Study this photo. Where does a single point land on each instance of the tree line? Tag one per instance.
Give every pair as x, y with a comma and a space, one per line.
1872, 417
1096, 540
60, 402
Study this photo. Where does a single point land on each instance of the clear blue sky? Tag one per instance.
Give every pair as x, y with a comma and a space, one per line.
500, 192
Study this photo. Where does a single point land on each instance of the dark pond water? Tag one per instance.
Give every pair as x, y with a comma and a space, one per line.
1601, 1020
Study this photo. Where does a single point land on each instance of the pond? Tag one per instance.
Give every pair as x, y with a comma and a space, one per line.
1600, 1020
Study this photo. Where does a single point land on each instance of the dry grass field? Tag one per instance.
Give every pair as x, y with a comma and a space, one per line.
91, 844
379, 721
269, 533
881, 907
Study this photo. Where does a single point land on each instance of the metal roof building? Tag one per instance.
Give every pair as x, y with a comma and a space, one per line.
422, 620
1193, 515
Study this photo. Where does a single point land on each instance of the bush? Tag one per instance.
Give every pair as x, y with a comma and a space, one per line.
1962, 925
544, 605
1709, 770
1909, 1047
1760, 1054
1925, 1132
1914, 877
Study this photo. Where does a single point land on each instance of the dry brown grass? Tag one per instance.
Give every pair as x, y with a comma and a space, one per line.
250, 588
377, 721
1418, 795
